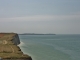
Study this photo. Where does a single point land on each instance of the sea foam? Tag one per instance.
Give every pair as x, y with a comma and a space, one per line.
21, 43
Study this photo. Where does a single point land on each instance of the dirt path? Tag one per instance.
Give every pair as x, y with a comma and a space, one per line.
12, 48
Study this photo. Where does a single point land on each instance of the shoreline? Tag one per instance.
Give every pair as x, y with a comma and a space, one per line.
25, 52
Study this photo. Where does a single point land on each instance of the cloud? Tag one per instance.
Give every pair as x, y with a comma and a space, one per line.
29, 18
43, 17
42, 24
76, 13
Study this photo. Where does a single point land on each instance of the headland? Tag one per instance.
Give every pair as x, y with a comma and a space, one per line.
9, 49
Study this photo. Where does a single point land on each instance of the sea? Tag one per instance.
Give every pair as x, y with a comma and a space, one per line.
51, 47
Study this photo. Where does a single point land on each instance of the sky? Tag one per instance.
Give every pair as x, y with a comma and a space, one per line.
40, 16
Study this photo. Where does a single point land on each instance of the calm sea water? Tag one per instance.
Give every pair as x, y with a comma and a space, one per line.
51, 47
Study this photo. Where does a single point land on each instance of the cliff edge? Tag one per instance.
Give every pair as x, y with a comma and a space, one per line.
9, 49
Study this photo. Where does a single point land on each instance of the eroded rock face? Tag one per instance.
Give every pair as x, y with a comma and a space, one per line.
16, 39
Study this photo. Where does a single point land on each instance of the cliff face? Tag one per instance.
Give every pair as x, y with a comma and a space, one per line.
16, 39
9, 49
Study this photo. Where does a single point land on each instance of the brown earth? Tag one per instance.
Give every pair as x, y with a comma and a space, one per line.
10, 51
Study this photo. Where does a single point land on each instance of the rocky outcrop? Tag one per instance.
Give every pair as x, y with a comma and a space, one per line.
9, 49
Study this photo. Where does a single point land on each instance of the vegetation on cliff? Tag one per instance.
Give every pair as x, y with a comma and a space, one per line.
9, 48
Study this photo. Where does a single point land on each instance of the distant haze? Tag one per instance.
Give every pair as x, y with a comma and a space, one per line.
40, 16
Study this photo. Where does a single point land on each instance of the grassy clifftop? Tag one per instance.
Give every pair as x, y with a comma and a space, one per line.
9, 48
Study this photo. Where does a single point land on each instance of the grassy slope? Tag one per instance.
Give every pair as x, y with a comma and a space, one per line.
8, 49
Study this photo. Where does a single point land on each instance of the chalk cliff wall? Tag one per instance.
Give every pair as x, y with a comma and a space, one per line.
16, 39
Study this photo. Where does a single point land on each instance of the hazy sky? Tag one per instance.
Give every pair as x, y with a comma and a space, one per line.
40, 16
